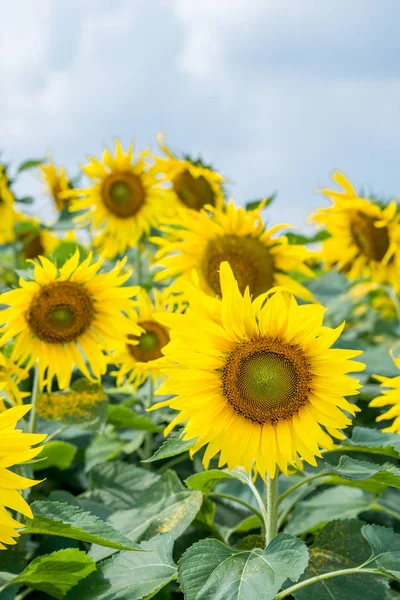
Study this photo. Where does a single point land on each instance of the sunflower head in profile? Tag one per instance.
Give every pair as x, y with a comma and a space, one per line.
56, 181
207, 238
256, 381
8, 214
11, 375
67, 315
364, 238
16, 449
142, 354
193, 185
390, 398
124, 201
35, 240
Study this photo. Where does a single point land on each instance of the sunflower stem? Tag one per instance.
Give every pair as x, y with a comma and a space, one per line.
139, 270
148, 442
271, 506
395, 299
33, 415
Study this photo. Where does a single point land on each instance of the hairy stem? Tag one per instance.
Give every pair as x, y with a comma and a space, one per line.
271, 506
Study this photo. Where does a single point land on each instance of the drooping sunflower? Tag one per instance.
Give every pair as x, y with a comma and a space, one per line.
125, 200
193, 185
256, 380
207, 238
142, 358
16, 448
8, 214
67, 315
11, 375
390, 398
35, 239
365, 238
57, 183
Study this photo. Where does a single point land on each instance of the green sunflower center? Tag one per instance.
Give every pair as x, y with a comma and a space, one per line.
193, 192
123, 194
150, 343
372, 241
266, 380
60, 312
250, 260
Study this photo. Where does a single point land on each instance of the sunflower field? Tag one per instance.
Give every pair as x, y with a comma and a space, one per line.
196, 403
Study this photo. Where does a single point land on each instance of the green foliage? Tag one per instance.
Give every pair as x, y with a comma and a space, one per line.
56, 454
65, 520
55, 574
172, 446
210, 569
30, 164
123, 417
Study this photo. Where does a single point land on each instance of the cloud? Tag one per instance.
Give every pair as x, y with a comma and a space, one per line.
275, 94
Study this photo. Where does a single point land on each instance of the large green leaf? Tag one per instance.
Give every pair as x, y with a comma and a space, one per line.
66, 520
123, 417
56, 573
128, 576
377, 477
210, 569
103, 447
335, 503
385, 545
56, 454
374, 441
341, 545
118, 485
165, 507
172, 446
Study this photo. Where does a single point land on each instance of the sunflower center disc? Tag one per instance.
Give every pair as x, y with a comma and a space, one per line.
193, 192
249, 259
371, 240
123, 194
150, 343
60, 312
266, 380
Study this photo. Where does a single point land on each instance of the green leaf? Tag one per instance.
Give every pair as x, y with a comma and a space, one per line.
340, 545
207, 480
103, 447
118, 484
340, 502
25, 200
210, 569
11, 564
373, 441
254, 204
295, 238
385, 545
123, 417
380, 476
65, 250
172, 446
165, 507
56, 573
56, 454
66, 520
30, 164
131, 576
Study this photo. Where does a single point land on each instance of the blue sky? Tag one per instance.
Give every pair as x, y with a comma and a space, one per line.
275, 93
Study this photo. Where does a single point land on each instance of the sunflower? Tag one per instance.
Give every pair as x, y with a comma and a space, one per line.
126, 199
256, 380
193, 185
35, 239
258, 259
142, 358
57, 183
364, 238
16, 449
66, 315
390, 397
8, 215
11, 375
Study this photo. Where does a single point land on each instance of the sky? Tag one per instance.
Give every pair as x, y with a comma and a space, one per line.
276, 94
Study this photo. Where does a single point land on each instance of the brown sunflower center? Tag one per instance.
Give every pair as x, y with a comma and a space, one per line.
266, 380
193, 192
123, 194
60, 312
250, 260
371, 240
150, 343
